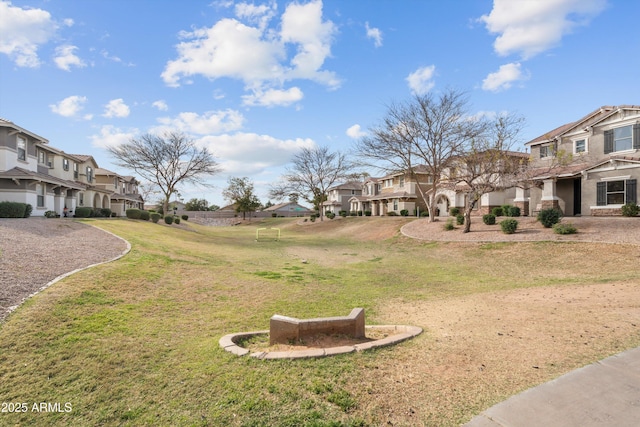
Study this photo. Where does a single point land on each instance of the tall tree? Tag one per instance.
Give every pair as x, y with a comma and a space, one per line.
312, 172
487, 163
428, 130
240, 192
167, 161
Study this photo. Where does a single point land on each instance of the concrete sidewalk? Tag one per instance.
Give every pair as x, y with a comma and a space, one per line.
605, 393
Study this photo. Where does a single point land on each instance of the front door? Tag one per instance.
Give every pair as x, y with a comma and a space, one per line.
577, 196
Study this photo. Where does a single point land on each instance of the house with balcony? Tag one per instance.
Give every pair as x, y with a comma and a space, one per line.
338, 196
123, 191
590, 166
34, 172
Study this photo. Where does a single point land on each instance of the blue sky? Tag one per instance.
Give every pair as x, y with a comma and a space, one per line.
256, 81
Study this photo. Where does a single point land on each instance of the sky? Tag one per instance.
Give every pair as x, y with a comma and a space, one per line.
255, 82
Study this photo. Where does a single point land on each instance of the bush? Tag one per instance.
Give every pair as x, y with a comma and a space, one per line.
155, 217
506, 210
342, 213
27, 210
448, 226
404, 212
560, 228
549, 217
353, 213
12, 210
630, 209
392, 213
460, 219
145, 215
513, 211
509, 226
424, 213
330, 215
83, 212
50, 214
367, 213
454, 212
489, 219
497, 211
106, 212
359, 213
176, 219
168, 219
133, 213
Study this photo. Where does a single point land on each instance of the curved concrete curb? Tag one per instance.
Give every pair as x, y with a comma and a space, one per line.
13, 308
403, 333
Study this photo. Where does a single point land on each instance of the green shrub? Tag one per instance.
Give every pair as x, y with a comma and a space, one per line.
145, 215
155, 217
509, 226
424, 213
497, 211
513, 211
50, 214
133, 213
506, 210
404, 212
448, 226
454, 212
274, 214
561, 228
460, 219
27, 210
185, 217
106, 212
330, 215
549, 217
168, 219
630, 209
312, 218
392, 213
367, 213
12, 210
489, 219
342, 213
359, 213
353, 213
176, 219
83, 212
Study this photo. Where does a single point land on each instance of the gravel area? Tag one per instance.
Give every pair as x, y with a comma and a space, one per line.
35, 251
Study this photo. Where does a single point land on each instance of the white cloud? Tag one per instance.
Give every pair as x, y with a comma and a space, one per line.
70, 106
23, 31
116, 108
250, 153
504, 78
111, 136
530, 27
273, 97
375, 34
68, 22
161, 105
257, 54
65, 58
355, 132
421, 80
210, 122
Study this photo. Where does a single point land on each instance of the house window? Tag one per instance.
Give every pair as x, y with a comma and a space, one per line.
617, 192
41, 157
65, 164
546, 151
429, 179
40, 195
395, 204
22, 148
115, 183
622, 139
580, 146
50, 161
80, 199
89, 174
75, 170
401, 181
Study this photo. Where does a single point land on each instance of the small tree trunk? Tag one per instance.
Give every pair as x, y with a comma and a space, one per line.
468, 207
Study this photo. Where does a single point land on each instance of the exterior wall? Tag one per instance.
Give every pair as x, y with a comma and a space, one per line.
589, 189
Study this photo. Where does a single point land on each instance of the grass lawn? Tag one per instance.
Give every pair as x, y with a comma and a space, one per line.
135, 341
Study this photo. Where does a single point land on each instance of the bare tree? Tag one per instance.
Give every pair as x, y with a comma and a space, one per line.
312, 173
167, 161
427, 130
486, 163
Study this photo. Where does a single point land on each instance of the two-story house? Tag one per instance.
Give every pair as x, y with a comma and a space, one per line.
590, 166
123, 190
338, 196
394, 193
33, 172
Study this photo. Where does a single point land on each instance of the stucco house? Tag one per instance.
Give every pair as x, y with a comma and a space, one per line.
289, 209
590, 166
338, 196
123, 190
34, 172
394, 192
